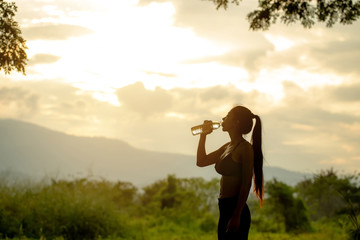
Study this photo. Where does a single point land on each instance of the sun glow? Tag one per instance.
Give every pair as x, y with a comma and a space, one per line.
118, 53
129, 43
280, 43
107, 97
175, 115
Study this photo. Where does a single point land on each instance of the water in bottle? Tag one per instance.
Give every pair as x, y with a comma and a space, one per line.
198, 129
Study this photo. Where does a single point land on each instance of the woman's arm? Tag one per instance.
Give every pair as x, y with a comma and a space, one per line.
204, 159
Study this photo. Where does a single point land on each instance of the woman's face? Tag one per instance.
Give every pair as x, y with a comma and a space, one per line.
229, 122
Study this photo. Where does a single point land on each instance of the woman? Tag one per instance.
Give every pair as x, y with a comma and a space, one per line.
237, 161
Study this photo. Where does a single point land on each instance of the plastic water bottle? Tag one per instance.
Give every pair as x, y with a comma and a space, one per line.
198, 129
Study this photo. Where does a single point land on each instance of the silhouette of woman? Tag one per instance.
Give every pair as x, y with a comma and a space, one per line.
238, 161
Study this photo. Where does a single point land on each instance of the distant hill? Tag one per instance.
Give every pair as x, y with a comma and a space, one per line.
28, 150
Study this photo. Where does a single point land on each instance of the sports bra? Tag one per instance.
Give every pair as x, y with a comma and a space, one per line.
227, 166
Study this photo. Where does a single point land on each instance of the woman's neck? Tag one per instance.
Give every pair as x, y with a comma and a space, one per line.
235, 138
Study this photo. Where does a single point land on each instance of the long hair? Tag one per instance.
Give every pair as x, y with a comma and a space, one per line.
258, 160
245, 117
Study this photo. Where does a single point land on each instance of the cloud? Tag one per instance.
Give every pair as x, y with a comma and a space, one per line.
347, 93
161, 74
58, 106
144, 102
34, 11
43, 59
214, 93
317, 50
341, 56
250, 59
54, 32
329, 56
307, 132
301, 133
307, 128
223, 26
17, 102
310, 107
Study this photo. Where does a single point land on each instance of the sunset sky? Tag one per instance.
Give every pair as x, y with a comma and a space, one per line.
146, 71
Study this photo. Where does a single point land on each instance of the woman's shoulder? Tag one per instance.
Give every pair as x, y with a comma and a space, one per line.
244, 145
244, 149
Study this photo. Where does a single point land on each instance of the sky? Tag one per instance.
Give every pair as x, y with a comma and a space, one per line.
146, 71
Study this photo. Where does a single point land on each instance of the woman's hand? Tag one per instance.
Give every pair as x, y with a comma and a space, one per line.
207, 127
233, 224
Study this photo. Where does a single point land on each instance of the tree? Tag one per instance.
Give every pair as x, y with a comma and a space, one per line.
327, 194
285, 206
169, 195
321, 194
330, 195
307, 12
12, 45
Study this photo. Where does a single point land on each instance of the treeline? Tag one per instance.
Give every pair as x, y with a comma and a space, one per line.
175, 208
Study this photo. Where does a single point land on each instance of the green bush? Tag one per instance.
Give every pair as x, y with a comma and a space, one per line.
170, 208
208, 224
72, 209
283, 206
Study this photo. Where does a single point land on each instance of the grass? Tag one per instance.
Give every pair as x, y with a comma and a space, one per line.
98, 209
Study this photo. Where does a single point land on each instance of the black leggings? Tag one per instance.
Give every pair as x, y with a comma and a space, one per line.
227, 207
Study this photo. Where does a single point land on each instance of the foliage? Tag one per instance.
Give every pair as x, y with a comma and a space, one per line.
287, 208
86, 208
12, 45
72, 209
330, 195
326, 193
170, 208
307, 12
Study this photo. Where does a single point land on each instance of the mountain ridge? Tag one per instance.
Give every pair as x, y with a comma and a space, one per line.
36, 151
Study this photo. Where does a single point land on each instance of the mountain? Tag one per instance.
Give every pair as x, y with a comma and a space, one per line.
35, 152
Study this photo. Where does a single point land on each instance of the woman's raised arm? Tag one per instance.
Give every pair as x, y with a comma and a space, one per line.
204, 159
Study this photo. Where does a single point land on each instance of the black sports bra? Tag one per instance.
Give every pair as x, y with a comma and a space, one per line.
227, 166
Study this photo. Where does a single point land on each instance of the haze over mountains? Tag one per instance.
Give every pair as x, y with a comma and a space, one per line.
36, 152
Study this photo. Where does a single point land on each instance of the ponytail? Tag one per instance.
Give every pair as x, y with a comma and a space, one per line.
258, 160
245, 118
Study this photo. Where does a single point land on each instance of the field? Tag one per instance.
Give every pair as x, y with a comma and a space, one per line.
171, 209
